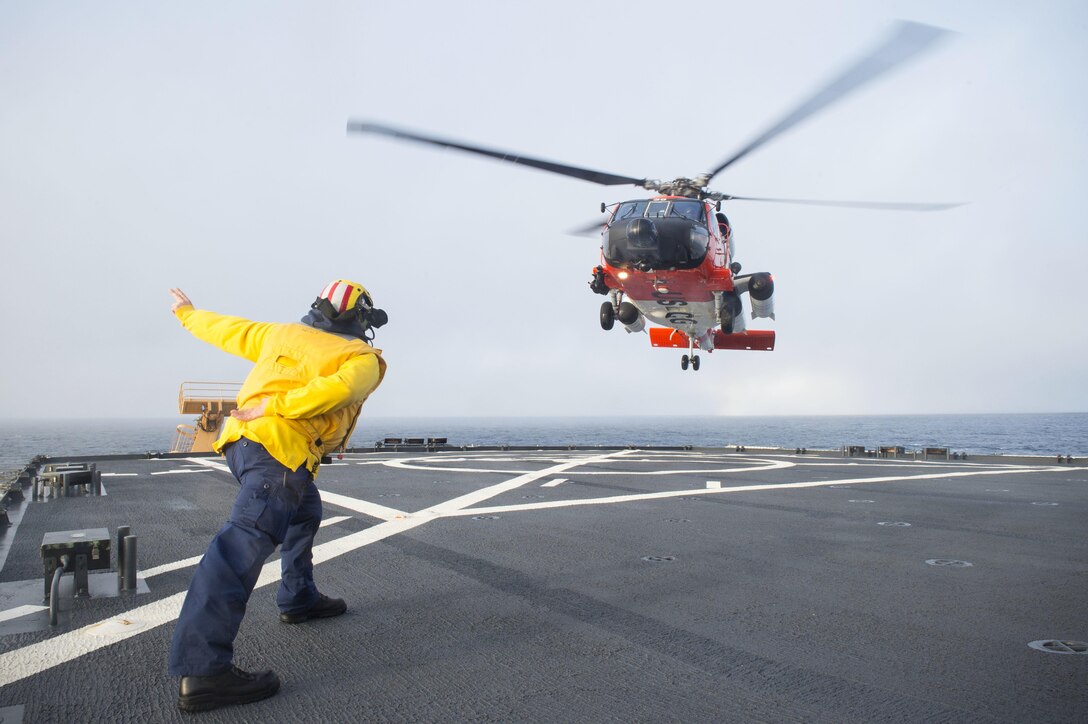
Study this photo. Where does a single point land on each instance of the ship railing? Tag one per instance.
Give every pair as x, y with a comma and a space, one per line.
184, 438
196, 398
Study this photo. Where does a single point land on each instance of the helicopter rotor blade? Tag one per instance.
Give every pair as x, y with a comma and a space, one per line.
876, 205
907, 39
589, 229
597, 177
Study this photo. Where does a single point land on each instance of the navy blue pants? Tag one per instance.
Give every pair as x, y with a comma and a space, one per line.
275, 506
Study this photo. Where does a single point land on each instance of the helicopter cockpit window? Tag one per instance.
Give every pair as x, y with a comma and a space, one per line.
629, 210
693, 210
657, 209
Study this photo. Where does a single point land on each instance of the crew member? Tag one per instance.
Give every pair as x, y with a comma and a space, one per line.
299, 403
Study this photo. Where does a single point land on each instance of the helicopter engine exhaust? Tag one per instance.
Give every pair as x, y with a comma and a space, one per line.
760, 288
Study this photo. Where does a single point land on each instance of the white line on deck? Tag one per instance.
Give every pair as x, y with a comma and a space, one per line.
209, 463
553, 483
27, 661
737, 489
713, 484
406, 464
18, 611
374, 510
185, 563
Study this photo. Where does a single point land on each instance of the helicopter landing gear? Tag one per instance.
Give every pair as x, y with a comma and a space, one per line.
608, 316
690, 358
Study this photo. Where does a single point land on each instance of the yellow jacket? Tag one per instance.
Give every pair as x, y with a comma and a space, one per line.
315, 382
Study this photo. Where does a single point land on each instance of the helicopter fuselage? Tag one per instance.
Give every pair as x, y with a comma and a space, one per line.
672, 258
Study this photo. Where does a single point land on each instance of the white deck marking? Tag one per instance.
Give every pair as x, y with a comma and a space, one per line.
119, 475
209, 463
185, 563
402, 464
18, 611
553, 483
177, 471
374, 510
713, 484
405, 464
477, 496
35, 658
167, 567
738, 489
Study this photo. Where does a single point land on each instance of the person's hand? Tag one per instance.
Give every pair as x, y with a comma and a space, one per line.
250, 413
180, 300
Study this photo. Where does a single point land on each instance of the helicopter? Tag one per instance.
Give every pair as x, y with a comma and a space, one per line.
669, 259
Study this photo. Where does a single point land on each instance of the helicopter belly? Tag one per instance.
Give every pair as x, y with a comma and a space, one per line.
684, 316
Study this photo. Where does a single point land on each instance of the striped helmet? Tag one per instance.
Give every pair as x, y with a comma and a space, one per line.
344, 296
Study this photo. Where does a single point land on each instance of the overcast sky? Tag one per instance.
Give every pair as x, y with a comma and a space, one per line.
203, 145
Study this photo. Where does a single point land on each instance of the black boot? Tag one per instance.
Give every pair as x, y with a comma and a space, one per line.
324, 607
233, 686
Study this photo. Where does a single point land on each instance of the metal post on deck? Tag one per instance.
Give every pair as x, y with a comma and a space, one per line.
130, 564
122, 531
54, 590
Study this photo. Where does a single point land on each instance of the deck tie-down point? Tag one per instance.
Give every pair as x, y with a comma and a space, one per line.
81, 551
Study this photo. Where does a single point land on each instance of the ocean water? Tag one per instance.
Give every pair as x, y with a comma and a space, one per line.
1042, 435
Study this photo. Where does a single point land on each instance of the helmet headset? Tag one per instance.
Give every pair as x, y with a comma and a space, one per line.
344, 301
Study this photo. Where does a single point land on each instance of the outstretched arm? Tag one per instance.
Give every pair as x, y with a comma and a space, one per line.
231, 334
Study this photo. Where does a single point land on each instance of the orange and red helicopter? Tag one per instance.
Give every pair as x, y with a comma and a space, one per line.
669, 259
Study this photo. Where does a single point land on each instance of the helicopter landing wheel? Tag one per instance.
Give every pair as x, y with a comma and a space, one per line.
695, 363
684, 362
608, 316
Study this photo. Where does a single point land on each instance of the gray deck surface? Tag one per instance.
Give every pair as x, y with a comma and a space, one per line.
479, 590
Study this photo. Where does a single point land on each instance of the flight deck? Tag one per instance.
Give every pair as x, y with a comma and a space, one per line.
589, 585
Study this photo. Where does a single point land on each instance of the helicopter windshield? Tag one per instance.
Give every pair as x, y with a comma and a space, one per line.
629, 210
693, 210
661, 208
